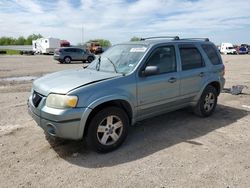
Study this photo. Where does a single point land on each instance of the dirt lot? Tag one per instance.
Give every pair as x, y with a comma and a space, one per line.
174, 150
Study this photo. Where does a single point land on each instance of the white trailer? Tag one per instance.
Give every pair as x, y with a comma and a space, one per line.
45, 45
227, 48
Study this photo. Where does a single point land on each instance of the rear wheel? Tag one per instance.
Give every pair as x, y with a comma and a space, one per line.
107, 129
67, 59
207, 102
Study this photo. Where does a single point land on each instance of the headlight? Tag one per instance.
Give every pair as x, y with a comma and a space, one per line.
61, 101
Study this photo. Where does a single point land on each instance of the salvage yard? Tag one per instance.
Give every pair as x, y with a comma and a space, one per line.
177, 149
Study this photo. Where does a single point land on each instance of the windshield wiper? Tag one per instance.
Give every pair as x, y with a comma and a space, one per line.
112, 64
97, 67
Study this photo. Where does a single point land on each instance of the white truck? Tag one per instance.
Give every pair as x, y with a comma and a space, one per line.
227, 48
45, 45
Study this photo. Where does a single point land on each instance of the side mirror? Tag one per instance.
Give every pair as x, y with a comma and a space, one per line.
150, 71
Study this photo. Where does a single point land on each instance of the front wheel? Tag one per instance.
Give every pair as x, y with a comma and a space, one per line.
107, 129
207, 102
90, 59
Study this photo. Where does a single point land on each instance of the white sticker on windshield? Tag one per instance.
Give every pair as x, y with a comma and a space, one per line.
140, 49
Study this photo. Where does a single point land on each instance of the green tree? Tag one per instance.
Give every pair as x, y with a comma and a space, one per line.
6, 40
20, 40
32, 37
135, 39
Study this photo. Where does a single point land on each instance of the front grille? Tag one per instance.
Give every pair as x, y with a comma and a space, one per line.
36, 98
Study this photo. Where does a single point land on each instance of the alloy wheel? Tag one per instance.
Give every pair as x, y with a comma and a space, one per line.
209, 102
109, 130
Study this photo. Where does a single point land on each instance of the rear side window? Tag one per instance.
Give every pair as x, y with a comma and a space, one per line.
211, 54
79, 50
190, 58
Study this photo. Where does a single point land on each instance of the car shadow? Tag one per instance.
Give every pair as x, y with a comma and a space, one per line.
149, 136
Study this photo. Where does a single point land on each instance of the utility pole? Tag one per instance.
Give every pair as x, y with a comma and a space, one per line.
82, 36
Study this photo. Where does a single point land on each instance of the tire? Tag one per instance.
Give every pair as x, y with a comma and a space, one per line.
90, 59
107, 129
67, 60
207, 102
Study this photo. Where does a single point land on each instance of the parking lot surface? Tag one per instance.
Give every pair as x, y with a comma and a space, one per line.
177, 149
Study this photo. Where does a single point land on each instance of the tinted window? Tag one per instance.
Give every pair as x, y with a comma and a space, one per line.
67, 50
70, 50
211, 54
190, 58
164, 58
79, 50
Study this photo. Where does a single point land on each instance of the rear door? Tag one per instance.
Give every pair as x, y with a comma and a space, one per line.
75, 54
156, 92
193, 70
79, 54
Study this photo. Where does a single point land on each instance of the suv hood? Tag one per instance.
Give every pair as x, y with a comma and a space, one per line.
64, 81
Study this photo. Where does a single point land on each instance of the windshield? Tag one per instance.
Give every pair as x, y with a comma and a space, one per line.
120, 58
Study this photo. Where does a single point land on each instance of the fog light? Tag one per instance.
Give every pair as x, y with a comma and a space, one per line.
51, 129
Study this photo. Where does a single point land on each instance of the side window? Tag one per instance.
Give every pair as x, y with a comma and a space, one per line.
74, 50
164, 58
190, 58
211, 54
78, 50
67, 50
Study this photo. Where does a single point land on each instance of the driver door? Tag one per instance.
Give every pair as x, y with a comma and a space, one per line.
156, 93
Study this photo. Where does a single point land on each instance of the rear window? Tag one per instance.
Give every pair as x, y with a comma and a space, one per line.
211, 54
190, 58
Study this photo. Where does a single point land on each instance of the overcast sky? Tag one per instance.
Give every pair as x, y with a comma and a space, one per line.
119, 20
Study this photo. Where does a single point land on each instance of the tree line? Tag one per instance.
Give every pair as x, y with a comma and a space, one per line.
20, 40
28, 41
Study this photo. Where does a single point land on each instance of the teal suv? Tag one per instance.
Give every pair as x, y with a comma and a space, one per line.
128, 83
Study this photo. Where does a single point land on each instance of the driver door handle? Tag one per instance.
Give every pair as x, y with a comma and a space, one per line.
201, 74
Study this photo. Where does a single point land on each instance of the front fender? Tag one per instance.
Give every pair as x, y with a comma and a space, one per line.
98, 102
109, 98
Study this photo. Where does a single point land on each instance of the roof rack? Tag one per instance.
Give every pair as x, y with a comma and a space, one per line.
205, 39
161, 37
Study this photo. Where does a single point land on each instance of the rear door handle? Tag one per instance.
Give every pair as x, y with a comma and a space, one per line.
201, 74
172, 80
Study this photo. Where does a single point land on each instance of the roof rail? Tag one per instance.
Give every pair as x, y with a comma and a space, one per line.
161, 37
205, 39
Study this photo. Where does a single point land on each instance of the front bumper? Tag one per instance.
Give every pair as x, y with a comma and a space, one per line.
68, 124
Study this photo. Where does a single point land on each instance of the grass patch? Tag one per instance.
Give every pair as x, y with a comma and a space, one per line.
11, 52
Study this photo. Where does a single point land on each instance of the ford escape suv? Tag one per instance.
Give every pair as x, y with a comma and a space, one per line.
128, 83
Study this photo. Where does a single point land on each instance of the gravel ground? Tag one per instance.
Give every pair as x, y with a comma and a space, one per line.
177, 149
